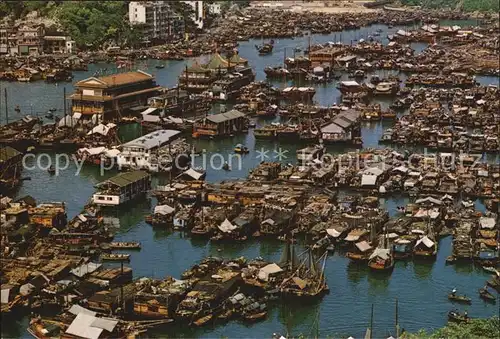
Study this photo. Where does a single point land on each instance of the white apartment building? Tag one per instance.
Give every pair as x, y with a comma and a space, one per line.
159, 20
199, 12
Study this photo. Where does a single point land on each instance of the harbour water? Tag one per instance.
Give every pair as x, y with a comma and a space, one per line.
420, 287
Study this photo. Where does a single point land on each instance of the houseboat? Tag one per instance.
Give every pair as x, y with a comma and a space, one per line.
148, 152
218, 125
228, 87
122, 188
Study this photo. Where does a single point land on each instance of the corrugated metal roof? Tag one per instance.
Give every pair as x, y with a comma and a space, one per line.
153, 139
218, 118
124, 179
332, 128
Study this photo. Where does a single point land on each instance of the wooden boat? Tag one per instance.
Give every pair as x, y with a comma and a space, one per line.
127, 245
241, 149
459, 298
203, 320
160, 66
115, 257
44, 330
486, 295
490, 269
148, 219
226, 315
266, 132
457, 317
381, 260
266, 48
255, 316
494, 283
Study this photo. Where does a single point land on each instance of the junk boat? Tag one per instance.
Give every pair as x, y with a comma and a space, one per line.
307, 280
266, 48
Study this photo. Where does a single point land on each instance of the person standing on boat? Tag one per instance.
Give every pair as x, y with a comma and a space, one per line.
454, 292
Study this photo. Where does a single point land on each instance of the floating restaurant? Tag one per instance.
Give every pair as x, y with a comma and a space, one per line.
110, 97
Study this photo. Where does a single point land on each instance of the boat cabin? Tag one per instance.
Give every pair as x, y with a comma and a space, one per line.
122, 188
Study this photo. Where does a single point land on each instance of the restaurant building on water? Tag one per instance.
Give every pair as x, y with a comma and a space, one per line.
111, 96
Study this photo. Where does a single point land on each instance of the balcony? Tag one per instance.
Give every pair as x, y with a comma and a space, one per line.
87, 109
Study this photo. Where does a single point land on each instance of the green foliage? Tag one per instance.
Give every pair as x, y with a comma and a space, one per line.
92, 23
475, 328
466, 5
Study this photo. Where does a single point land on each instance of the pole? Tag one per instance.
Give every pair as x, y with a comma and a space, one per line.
6, 109
397, 320
121, 289
64, 103
371, 323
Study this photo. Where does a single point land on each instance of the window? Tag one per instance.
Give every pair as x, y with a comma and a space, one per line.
100, 198
110, 198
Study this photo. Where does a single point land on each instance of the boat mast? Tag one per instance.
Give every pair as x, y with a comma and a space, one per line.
6, 109
397, 320
368, 334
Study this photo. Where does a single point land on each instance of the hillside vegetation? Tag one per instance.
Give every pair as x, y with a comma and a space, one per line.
475, 328
92, 24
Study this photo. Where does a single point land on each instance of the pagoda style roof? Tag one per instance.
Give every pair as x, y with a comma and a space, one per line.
237, 59
217, 61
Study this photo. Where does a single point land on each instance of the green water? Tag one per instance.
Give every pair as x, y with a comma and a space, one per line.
420, 288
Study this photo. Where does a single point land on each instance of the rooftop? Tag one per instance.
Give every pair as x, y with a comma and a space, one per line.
115, 79
218, 118
124, 179
153, 139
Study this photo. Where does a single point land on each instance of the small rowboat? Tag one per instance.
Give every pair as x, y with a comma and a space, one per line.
255, 316
115, 257
459, 298
490, 269
457, 317
127, 245
202, 321
148, 219
486, 295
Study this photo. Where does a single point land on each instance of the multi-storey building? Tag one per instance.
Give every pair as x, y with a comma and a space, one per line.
157, 18
112, 95
199, 12
30, 40
8, 40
